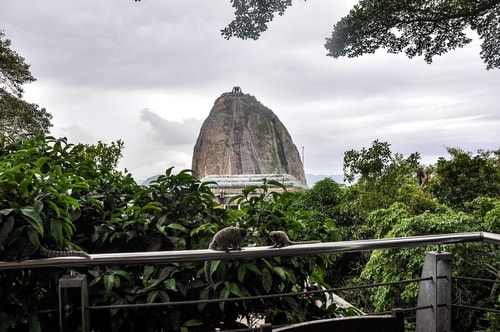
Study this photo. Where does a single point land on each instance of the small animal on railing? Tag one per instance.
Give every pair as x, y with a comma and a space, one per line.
226, 239
280, 239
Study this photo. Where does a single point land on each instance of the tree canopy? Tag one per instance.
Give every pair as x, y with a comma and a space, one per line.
421, 27
18, 118
465, 176
58, 195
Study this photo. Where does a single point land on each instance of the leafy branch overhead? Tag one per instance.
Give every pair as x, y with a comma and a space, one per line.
19, 119
417, 28
252, 17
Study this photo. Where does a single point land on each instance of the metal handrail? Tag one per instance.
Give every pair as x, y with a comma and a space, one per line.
158, 257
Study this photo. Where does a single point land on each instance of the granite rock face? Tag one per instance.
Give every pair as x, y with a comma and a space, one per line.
242, 136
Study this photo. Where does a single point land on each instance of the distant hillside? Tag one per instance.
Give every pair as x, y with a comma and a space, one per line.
149, 180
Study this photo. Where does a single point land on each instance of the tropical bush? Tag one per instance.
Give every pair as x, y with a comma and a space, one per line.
64, 196
71, 197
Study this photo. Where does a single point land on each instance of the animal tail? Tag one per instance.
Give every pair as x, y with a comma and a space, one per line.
62, 253
208, 275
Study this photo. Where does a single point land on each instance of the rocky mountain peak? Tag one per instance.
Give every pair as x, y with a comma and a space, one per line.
242, 136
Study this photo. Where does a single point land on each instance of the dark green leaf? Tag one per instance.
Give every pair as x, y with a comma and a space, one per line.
34, 324
152, 296
178, 227
267, 280
192, 322
170, 284
33, 218
109, 282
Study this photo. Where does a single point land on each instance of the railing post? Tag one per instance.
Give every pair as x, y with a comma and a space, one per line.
73, 303
435, 294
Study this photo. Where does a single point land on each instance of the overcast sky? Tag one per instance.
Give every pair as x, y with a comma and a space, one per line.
148, 73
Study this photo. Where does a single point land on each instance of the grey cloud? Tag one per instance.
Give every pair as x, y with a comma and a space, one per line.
170, 132
74, 133
96, 63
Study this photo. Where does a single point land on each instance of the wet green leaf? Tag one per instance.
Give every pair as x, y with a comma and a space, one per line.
178, 227
123, 274
152, 296
267, 280
192, 322
204, 295
170, 284
33, 218
109, 281
281, 272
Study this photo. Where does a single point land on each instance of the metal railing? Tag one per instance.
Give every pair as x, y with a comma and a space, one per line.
164, 257
155, 257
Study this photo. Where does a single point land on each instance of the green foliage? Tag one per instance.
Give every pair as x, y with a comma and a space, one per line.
19, 119
174, 212
39, 191
417, 28
14, 72
326, 201
417, 200
47, 187
330, 202
403, 264
252, 17
422, 28
177, 212
263, 209
396, 206
70, 196
322, 199
379, 175
171, 213
464, 177
66, 196
367, 163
